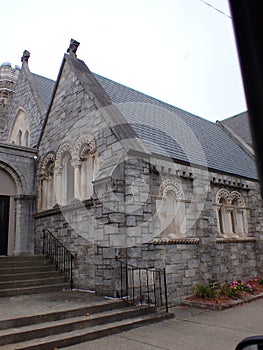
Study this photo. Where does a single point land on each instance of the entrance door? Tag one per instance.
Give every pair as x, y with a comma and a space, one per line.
4, 223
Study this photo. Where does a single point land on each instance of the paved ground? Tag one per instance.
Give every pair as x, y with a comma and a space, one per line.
191, 329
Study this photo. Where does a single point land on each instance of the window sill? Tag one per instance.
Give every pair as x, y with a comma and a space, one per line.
236, 240
176, 241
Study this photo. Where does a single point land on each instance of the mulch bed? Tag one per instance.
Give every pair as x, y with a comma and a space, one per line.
222, 302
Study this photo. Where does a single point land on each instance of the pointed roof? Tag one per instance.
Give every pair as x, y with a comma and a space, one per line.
165, 130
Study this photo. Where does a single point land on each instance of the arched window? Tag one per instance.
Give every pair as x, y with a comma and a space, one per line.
231, 214
171, 209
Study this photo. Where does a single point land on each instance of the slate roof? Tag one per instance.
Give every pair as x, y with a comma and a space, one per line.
173, 132
239, 124
44, 87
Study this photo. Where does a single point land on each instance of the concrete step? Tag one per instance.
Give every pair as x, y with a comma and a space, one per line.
28, 275
62, 314
33, 290
26, 269
78, 329
11, 262
21, 258
32, 282
68, 325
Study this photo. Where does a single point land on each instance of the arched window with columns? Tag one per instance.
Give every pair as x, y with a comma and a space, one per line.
231, 214
171, 209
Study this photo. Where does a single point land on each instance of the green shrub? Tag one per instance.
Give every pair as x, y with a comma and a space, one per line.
204, 291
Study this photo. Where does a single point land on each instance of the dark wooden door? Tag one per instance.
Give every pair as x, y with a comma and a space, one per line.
4, 221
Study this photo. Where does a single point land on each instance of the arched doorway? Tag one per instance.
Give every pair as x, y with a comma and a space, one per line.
7, 212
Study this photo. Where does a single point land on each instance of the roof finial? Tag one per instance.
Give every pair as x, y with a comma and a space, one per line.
25, 57
73, 47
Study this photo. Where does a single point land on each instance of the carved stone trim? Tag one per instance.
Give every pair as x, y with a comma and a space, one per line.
171, 185
47, 160
84, 144
230, 197
65, 147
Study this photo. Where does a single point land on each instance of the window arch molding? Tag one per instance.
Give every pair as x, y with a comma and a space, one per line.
171, 185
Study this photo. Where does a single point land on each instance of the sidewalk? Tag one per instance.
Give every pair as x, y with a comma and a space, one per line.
191, 329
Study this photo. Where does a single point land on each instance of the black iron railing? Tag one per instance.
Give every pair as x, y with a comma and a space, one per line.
143, 286
53, 249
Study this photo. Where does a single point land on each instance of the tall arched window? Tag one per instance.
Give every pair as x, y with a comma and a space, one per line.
47, 197
231, 214
67, 178
85, 157
171, 210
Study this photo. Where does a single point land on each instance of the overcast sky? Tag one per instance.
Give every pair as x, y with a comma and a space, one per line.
180, 51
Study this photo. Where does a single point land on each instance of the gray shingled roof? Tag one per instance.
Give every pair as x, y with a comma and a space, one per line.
239, 124
173, 132
44, 87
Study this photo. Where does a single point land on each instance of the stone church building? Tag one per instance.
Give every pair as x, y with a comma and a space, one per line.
116, 174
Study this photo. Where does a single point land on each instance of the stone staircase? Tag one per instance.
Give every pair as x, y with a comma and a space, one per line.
72, 326
28, 275
31, 319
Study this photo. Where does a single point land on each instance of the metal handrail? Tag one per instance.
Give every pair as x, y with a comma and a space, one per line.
143, 285
53, 249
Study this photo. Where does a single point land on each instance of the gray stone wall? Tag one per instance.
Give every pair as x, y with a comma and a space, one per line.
123, 224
